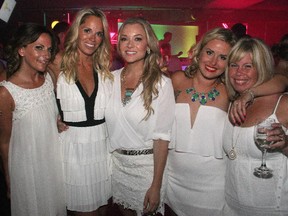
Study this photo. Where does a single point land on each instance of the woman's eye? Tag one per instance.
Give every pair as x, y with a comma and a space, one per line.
123, 39
233, 65
86, 30
138, 39
100, 34
224, 58
39, 47
209, 52
248, 66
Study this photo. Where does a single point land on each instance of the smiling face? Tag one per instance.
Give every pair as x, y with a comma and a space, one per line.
213, 58
242, 75
90, 35
37, 55
133, 43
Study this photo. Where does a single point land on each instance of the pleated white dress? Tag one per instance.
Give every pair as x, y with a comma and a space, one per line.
196, 167
35, 166
133, 174
86, 159
246, 194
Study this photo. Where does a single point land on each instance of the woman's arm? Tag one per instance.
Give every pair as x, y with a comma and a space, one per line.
6, 108
152, 197
276, 85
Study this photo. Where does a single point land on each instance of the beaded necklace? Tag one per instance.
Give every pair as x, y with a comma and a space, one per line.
203, 96
128, 91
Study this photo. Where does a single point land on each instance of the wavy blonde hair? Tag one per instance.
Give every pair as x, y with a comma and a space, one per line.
223, 34
101, 57
152, 73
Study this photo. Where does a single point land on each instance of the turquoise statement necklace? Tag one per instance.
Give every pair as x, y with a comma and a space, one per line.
128, 91
203, 97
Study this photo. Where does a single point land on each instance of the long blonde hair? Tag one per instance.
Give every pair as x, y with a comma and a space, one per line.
101, 57
152, 74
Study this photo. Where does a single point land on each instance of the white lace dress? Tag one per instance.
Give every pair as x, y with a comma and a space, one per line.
35, 166
246, 194
196, 167
132, 175
87, 168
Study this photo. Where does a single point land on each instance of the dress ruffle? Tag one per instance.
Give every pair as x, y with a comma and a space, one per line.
87, 162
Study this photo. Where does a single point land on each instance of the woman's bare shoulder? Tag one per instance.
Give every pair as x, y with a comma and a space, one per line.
178, 78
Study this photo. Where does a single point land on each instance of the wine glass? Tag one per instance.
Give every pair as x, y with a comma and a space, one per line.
260, 138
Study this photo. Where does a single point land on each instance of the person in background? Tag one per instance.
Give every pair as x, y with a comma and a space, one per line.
240, 30
282, 65
166, 40
250, 64
60, 30
169, 63
139, 117
83, 88
29, 144
196, 167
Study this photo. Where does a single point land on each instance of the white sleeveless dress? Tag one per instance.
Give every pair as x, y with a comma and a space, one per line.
246, 194
35, 166
196, 167
87, 168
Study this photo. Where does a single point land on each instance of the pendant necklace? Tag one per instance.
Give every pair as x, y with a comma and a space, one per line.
203, 97
128, 91
232, 153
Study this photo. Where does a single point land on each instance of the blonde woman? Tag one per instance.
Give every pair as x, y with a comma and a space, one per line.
139, 116
82, 94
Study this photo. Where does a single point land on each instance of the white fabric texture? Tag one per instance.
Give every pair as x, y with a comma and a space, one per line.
35, 166
196, 168
246, 194
87, 162
128, 130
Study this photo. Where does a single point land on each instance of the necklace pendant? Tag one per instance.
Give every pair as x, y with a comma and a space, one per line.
203, 99
128, 95
232, 154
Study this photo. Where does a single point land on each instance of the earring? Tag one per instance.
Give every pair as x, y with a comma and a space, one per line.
148, 51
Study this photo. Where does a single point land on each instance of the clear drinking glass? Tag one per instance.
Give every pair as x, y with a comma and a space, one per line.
260, 138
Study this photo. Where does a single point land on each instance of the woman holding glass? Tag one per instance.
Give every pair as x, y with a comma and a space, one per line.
250, 63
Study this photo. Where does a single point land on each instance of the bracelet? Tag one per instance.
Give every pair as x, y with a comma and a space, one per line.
251, 93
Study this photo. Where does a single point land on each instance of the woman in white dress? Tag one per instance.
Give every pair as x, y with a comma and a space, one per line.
250, 64
29, 141
196, 167
139, 116
82, 94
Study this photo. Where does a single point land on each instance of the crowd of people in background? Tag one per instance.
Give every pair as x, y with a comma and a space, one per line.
86, 127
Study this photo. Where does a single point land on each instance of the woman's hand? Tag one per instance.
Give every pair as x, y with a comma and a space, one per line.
151, 200
279, 138
237, 112
61, 125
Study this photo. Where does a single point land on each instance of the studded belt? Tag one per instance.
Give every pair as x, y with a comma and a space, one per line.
134, 152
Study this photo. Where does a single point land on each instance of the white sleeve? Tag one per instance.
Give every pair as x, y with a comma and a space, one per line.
165, 112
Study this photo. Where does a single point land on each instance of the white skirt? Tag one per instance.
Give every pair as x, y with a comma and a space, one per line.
132, 176
87, 167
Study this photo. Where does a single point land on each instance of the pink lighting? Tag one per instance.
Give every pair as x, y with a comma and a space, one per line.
225, 25
113, 37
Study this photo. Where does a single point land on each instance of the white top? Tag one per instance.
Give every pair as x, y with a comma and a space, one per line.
196, 168
126, 125
254, 196
206, 132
